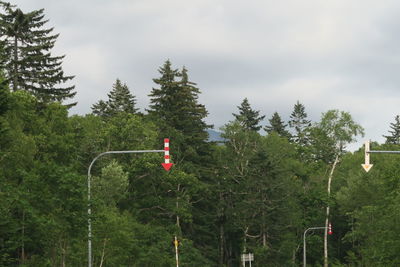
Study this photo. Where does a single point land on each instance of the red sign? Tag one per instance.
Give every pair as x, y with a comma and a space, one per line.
167, 165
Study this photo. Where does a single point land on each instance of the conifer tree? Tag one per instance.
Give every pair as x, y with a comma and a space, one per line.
298, 121
277, 126
4, 107
248, 118
160, 98
175, 104
119, 100
100, 109
394, 137
29, 64
4, 101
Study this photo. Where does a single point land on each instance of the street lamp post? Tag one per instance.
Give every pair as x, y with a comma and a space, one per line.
89, 193
304, 242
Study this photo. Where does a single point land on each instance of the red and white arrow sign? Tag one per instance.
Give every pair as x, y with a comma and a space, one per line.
167, 165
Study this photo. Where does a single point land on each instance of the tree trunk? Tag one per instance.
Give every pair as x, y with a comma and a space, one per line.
103, 253
294, 255
221, 245
264, 239
63, 244
15, 78
177, 207
23, 238
327, 212
264, 231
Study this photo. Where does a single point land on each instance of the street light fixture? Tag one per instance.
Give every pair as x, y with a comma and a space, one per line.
304, 240
166, 166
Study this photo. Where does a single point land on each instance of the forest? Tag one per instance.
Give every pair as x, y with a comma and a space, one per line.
256, 190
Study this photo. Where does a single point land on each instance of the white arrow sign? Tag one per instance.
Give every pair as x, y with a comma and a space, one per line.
367, 166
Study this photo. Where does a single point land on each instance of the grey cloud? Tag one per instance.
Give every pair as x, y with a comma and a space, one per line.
327, 54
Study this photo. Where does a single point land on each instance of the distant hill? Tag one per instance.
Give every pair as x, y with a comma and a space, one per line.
214, 136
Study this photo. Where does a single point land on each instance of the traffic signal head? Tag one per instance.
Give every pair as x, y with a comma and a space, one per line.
330, 229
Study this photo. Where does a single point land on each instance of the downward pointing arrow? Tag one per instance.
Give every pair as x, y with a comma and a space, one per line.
167, 166
367, 167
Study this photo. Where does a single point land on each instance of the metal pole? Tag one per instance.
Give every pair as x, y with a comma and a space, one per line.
176, 252
384, 152
304, 243
89, 193
249, 259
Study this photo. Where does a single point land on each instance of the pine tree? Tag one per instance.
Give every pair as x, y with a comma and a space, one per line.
277, 126
100, 109
394, 137
298, 121
4, 101
175, 104
248, 118
119, 100
29, 64
160, 98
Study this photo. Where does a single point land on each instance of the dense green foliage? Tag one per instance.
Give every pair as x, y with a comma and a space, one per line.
255, 193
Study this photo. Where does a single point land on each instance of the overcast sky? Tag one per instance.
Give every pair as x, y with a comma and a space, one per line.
328, 54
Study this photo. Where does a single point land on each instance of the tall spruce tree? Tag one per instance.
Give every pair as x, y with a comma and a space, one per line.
4, 103
394, 137
175, 104
119, 100
29, 64
160, 98
277, 125
4, 106
4, 98
299, 122
248, 118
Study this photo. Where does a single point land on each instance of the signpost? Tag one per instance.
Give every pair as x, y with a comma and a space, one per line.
367, 166
247, 258
176, 244
167, 166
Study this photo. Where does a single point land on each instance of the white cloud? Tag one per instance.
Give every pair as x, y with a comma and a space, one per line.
327, 54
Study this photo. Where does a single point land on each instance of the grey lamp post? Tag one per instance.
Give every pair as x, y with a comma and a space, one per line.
89, 193
304, 242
